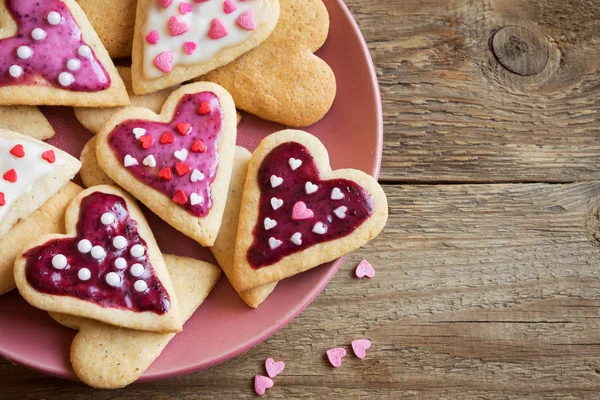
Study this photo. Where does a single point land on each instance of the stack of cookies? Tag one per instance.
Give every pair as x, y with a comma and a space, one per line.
166, 131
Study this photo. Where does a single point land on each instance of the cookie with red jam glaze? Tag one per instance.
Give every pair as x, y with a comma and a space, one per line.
177, 163
297, 213
107, 267
50, 54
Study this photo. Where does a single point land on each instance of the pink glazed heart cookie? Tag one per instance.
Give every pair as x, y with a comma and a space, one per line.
178, 41
177, 163
107, 267
297, 213
55, 57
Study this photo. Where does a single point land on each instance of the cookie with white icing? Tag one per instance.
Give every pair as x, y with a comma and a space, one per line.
175, 41
107, 267
50, 54
177, 163
297, 213
31, 172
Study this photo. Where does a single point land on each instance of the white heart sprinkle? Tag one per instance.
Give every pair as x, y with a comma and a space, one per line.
130, 161
196, 199
295, 163
336, 194
276, 181
149, 161
310, 187
139, 132
296, 238
340, 212
270, 223
274, 243
181, 154
276, 203
197, 176
320, 228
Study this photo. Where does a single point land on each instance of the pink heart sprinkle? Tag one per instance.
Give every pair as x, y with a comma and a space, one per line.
165, 3
300, 211
177, 27
229, 7
261, 384
273, 367
335, 356
185, 8
152, 37
246, 20
360, 346
164, 61
217, 29
364, 269
189, 47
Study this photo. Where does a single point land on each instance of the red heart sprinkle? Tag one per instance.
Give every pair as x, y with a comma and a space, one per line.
184, 128
147, 141
229, 7
182, 168
10, 175
217, 29
2, 199
49, 156
199, 146
152, 37
165, 173
204, 108
167, 138
185, 8
180, 197
18, 151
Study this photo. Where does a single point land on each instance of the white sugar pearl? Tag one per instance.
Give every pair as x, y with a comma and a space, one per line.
107, 218
113, 279
24, 52
137, 270
120, 263
140, 286
59, 261
73, 64
38, 34
84, 51
53, 18
66, 79
98, 252
138, 251
15, 71
119, 242
84, 274
84, 246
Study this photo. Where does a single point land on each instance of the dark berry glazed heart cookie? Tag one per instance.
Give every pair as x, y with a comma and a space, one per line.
107, 268
297, 213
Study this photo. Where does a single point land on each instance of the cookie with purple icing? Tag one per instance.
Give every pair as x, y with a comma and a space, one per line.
107, 267
177, 163
297, 213
52, 55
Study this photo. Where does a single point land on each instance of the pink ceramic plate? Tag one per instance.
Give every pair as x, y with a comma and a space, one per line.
224, 326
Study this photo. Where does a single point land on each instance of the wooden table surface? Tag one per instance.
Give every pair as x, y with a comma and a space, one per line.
488, 272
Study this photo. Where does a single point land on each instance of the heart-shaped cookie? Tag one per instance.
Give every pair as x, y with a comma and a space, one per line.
107, 267
175, 41
177, 163
55, 57
307, 226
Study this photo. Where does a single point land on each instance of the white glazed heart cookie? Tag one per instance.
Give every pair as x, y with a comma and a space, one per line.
31, 172
107, 267
177, 163
297, 213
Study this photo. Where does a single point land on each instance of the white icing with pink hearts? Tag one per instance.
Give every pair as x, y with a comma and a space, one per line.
192, 32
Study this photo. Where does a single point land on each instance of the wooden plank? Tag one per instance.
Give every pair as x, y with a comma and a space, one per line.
454, 113
482, 291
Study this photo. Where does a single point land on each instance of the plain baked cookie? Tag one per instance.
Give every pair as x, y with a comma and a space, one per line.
26, 119
282, 80
297, 213
225, 243
177, 163
91, 174
109, 265
177, 41
109, 357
